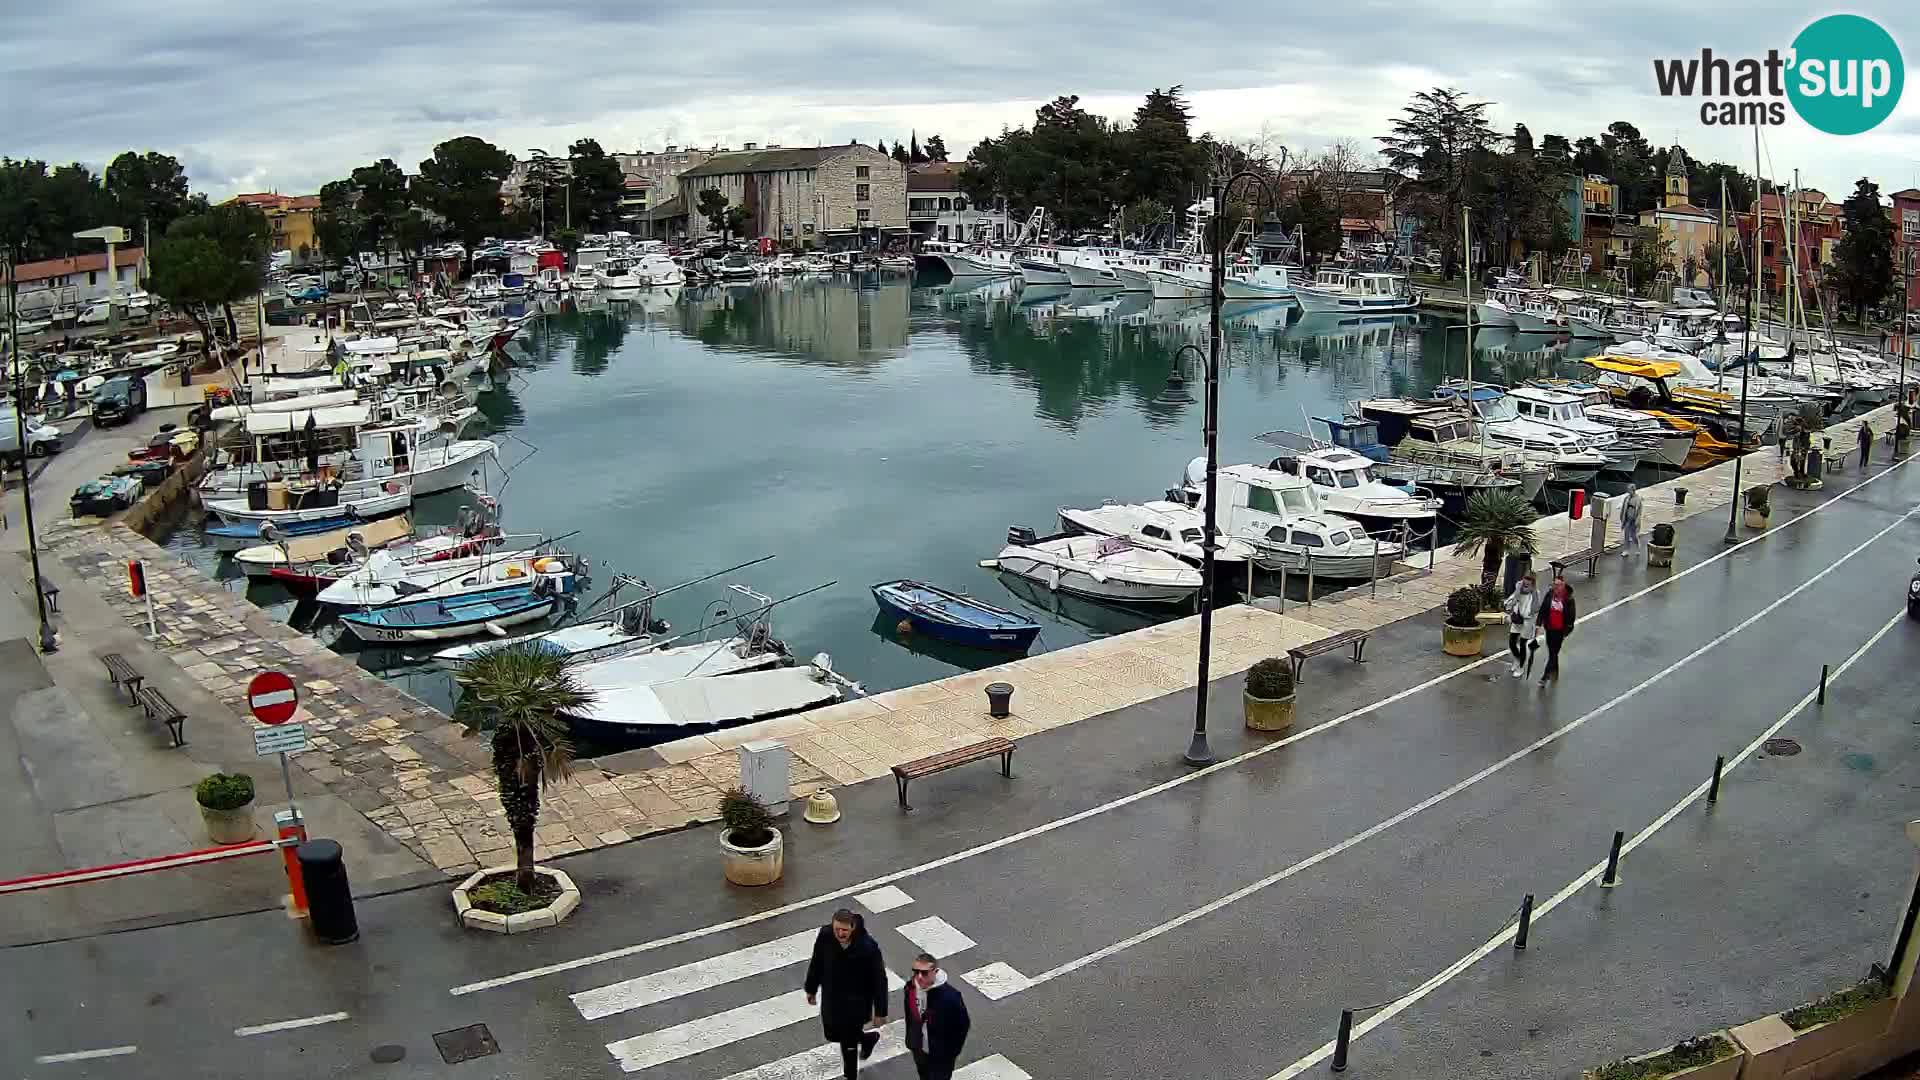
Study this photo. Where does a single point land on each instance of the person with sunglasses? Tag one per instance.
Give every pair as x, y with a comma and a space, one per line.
937, 1021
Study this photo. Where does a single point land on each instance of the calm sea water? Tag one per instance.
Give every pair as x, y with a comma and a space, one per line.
866, 434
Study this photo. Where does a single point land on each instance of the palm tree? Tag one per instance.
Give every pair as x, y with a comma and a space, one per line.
516, 694
1496, 522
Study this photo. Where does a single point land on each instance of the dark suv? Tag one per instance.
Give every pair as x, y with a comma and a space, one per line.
119, 400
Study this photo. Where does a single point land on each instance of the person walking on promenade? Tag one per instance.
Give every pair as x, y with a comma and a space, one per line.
848, 979
1557, 614
937, 1021
1630, 509
1523, 622
1866, 443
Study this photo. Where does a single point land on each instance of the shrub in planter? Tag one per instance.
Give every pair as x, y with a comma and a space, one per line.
751, 848
1268, 698
226, 805
1759, 498
1463, 633
1689, 1057
1835, 1006
1663, 534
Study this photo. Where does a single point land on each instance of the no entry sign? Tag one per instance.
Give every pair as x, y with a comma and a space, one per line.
272, 697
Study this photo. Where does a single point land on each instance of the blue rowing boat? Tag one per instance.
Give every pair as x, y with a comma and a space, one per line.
456, 616
950, 616
234, 535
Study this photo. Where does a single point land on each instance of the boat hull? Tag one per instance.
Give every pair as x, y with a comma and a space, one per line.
386, 634
1173, 287
1034, 272
1086, 277
235, 513
1587, 331
1490, 315
1529, 323
1080, 583
1232, 289
1319, 300
1331, 567
965, 266
978, 637
1133, 280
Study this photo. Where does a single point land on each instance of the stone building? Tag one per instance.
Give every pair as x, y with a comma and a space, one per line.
1688, 231
837, 197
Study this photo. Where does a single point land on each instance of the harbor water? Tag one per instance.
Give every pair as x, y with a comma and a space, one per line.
864, 434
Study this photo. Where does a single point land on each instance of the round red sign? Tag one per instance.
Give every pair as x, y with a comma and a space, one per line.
272, 697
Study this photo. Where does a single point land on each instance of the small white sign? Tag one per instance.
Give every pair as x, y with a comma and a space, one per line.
283, 739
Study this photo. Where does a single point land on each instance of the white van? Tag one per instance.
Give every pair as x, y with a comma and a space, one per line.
42, 439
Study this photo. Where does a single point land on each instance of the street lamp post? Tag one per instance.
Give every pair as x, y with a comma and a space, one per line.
47, 642
1198, 752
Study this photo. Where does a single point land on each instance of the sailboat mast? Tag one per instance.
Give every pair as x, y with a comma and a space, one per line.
1721, 294
1466, 254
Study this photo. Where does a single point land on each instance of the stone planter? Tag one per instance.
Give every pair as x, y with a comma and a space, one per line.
1727, 1068
1462, 640
1839, 1050
1754, 519
229, 826
493, 922
1659, 554
1268, 714
761, 865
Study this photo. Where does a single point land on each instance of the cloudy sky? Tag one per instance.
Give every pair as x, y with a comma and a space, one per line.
273, 96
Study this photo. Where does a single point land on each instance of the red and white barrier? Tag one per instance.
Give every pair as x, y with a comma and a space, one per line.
139, 866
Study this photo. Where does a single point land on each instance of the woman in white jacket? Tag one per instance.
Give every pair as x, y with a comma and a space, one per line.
1523, 613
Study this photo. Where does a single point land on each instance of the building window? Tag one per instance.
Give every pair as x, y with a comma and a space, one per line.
93, 277
863, 214
807, 228
960, 206
946, 204
862, 171
862, 192
1910, 225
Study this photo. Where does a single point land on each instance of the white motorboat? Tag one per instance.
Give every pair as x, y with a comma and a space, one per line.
656, 271
1567, 411
1671, 445
319, 502
1092, 267
1269, 282
615, 273
1357, 293
1279, 514
1344, 483
392, 575
484, 286
1496, 307
551, 279
1572, 459
1178, 277
583, 279
1163, 526
1108, 568
1040, 266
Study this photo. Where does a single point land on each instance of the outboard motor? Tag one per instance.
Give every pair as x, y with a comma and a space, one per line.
1021, 535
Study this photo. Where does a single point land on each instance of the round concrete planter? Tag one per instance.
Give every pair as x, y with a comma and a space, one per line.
1659, 554
1268, 714
493, 922
229, 826
761, 865
1754, 519
1462, 640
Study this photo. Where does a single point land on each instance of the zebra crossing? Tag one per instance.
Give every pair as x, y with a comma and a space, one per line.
757, 1023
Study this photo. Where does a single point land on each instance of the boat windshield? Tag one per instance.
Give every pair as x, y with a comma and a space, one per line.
1191, 536
1296, 500
1350, 478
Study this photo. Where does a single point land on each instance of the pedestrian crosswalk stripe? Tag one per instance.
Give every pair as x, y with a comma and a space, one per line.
992, 1068
996, 980
823, 1062
698, 1036
884, 899
694, 977
937, 936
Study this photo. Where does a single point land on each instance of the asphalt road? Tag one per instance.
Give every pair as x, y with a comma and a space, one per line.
1148, 921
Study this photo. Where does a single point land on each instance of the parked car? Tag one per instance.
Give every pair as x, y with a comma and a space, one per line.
42, 439
119, 400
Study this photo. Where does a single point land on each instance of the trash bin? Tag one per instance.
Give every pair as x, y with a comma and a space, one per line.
1679, 496
999, 700
329, 897
256, 495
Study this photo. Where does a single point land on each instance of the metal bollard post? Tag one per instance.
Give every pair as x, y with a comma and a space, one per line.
1823, 684
1340, 1041
1612, 876
1526, 923
1309, 579
329, 897
1283, 586
1713, 792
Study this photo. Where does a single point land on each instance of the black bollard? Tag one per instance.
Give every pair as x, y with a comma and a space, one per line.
329, 897
1713, 792
1823, 684
1612, 876
1340, 1041
1526, 922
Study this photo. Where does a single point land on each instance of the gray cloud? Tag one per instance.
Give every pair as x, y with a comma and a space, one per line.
253, 98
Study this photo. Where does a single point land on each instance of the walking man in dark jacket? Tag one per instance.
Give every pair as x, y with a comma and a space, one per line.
937, 1021
848, 979
1866, 443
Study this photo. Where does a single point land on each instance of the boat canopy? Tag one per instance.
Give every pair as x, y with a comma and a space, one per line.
324, 401
1643, 369
286, 423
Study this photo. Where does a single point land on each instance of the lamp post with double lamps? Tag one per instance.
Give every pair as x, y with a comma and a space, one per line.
17, 363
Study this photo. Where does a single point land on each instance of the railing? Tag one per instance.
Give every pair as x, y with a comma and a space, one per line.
923, 215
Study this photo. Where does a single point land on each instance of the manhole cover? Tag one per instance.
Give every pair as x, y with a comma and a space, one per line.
387, 1055
465, 1044
1781, 747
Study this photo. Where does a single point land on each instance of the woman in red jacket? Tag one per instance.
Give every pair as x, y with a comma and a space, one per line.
1557, 613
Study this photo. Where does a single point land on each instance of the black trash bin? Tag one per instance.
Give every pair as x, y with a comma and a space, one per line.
999, 700
329, 897
256, 494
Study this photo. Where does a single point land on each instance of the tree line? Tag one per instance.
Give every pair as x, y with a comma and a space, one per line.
43, 205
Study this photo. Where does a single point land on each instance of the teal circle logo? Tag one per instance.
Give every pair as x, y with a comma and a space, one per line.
1846, 75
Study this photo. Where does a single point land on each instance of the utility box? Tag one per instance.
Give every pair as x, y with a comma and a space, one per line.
764, 768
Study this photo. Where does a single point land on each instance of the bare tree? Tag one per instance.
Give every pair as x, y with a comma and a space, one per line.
1337, 173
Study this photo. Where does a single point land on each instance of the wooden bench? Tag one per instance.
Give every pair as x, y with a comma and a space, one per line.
941, 762
1590, 556
123, 676
1836, 460
1356, 638
160, 710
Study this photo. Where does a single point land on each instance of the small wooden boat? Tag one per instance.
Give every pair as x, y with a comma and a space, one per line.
443, 618
245, 534
951, 616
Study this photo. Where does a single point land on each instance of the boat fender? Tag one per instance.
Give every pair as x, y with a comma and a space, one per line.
989, 564
495, 629
1053, 578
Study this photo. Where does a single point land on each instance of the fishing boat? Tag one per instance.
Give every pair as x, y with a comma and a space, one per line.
1180, 277
1040, 266
1540, 313
314, 560
387, 576
443, 617
304, 503
233, 537
951, 616
1109, 568
1093, 267
1170, 526
1496, 307
1270, 282
1436, 446
1364, 293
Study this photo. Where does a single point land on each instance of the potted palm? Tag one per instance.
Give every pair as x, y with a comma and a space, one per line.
1497, 523
226, 805
751, 849
518, 696
1463, 633
1758, 506
1268, 696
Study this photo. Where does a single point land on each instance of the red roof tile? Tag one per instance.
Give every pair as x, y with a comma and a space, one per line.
79, 264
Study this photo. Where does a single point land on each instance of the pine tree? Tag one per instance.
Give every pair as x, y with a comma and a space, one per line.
914, 153
1863, 260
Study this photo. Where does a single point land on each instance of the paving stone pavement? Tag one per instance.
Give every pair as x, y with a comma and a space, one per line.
413, 771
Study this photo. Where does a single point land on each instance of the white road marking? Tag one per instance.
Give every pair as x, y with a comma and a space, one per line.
884, 899
289, 1025
85, 1055
996, 980
1456, 788
823, 1062
1592, 873
992, 1068
1125, 800
719, 1029
937, 936
696, 976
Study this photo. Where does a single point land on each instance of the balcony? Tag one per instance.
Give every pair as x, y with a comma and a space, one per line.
923, 215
